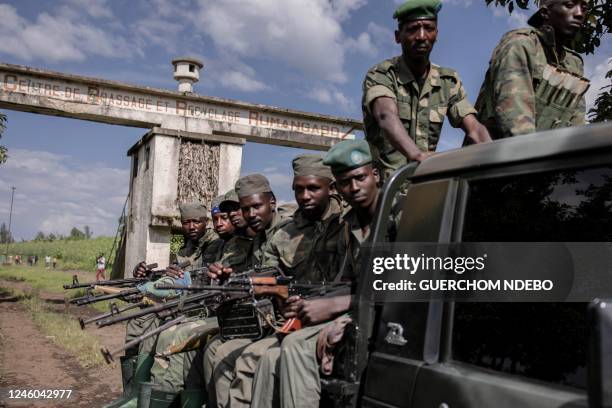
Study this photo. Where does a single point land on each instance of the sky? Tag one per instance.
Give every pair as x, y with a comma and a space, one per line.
309, 55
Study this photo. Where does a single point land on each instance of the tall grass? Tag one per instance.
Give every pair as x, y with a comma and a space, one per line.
72, 254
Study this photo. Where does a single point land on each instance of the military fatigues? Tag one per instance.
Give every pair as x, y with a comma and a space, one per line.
297, 367
219, 357
421, 109
307, 251
184, 370
529, 88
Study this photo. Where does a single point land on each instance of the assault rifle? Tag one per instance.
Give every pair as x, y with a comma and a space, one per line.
281, 287
151, 275
114, 310
171, 307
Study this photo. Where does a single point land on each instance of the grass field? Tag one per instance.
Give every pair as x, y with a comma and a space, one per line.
72, 254
48, 280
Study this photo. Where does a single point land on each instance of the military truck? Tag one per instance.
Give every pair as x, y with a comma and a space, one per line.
553, 186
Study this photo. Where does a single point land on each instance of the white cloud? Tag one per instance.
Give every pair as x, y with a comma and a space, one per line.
56, 37
53, 196
306, 36
362, 44
241, 81
595, 69
330, 95
95, 8
462, 3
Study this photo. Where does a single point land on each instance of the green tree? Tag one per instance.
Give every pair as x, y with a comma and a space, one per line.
3, 149
76, 233
598, 22
40, 236
5, 235
88, 232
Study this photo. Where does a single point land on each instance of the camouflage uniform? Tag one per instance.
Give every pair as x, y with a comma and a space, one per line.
306, 250
421, 109
183, 370
529, 88
220, 357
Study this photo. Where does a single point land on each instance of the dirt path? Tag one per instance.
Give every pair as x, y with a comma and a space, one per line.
30, 360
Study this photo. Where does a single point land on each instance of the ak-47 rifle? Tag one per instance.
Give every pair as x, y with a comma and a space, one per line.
167, 308
116, 282
281, 287
114, 310
125, 289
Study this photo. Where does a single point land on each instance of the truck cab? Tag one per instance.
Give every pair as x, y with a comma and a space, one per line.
553, 186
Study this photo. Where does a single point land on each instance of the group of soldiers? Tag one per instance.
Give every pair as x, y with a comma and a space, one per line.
534, 83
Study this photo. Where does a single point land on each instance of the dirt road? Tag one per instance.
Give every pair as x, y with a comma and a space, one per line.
30, 360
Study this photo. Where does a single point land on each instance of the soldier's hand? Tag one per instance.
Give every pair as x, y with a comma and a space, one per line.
315, 311
219, 272
174, 272
140, 270
422, 156
292, 306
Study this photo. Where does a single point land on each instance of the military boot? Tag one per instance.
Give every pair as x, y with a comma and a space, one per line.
193, 398
128, 365
142, 373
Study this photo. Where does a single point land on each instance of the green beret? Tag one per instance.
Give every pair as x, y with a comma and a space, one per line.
193, 211
252, 184
214, 205
348, 155
418, 10
311, 165
229, 202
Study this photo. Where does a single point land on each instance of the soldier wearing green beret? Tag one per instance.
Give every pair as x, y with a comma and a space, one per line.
406, 98
534, 81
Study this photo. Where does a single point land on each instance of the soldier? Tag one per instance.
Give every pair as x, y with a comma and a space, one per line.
405, 98
182, 372
305, 249
357, 181
534, 81
258, 206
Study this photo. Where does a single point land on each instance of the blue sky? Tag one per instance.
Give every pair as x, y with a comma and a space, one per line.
309, 55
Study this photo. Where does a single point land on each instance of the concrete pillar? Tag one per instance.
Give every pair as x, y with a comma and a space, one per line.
153, 207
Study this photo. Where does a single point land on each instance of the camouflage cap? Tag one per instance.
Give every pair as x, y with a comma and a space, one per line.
418, 10
193, 210
229, 202
252, 184
214, 205
536, 19
348, 155
311, 165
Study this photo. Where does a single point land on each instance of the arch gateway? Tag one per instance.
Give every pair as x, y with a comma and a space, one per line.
192, 150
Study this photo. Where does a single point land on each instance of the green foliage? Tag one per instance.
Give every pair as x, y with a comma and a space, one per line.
76, 233
602, 111
73, 254
5, 235
176, 243
38, 278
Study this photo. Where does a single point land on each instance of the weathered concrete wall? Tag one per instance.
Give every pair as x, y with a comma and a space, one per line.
153, 190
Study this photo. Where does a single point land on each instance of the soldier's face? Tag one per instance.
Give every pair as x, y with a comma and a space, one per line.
258, 210
417, 38
222, 224
194, 228
565, 17
235, 215
359, 187
311, 195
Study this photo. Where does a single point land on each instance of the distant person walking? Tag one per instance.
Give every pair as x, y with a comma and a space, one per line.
47, 262
54, 262
101, 268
